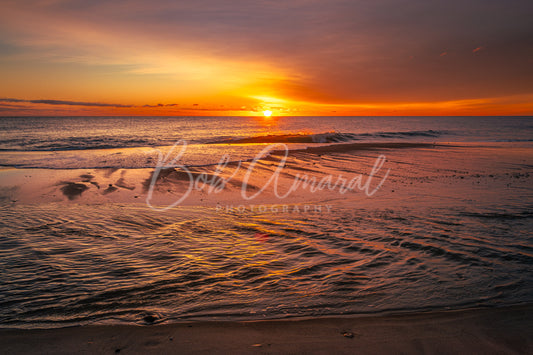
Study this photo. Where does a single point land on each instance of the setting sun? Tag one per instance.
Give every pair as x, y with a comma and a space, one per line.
267, 113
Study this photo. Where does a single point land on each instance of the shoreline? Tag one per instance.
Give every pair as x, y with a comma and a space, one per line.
413, 236
131, 185
504, 330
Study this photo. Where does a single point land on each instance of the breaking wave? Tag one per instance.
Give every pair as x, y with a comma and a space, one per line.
50, 144
329, 137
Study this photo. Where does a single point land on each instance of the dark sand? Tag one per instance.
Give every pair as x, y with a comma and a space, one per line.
483, 331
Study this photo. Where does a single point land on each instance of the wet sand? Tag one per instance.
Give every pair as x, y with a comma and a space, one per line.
483, 331
451, 170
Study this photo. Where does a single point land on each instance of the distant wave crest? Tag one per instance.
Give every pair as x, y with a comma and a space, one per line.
328, 137
117, 142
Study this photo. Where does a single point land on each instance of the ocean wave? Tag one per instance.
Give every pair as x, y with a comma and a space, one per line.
514, 140
51, 144
75, 143
328, 137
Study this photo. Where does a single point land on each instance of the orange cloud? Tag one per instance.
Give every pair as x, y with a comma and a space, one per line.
314, 56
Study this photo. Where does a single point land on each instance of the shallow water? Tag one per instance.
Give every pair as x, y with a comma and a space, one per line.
451, 227
68, 265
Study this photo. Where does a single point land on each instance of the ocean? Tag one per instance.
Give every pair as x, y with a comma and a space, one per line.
57, 137
97, 228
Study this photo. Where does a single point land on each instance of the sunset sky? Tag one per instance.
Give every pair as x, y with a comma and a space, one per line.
293, 57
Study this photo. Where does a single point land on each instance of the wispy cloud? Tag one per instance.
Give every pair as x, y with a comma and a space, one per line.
63, 102
160, 105
12, 103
